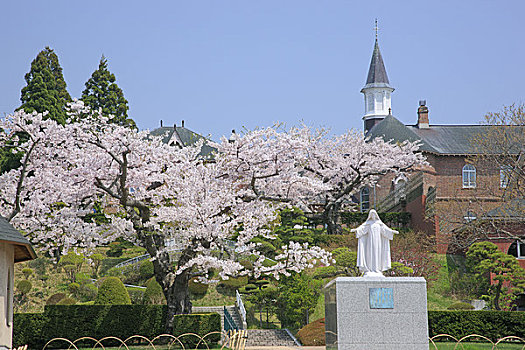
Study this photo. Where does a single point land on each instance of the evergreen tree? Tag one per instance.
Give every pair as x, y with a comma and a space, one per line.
46, 87
103, 93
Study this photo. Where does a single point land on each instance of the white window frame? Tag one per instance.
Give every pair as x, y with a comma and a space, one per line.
470, 216
518, 255
505, 172
468, 176
362, 194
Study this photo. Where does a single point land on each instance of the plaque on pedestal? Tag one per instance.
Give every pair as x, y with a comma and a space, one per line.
376, 313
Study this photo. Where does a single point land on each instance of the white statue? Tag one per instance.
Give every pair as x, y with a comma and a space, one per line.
373, 246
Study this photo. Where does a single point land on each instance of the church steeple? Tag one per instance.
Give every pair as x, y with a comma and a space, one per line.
377, 90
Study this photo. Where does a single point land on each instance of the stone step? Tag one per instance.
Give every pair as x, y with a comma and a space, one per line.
269, 337
232, 309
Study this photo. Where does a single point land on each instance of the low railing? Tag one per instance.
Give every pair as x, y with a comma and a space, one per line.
240, 307
229, 323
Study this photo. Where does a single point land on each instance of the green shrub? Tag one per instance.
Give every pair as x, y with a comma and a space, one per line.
112, 292
313, 334
324, 272
153, 294
115, 250
73, 288
146, 270
27, 272
234, 282
55, 298
460, 306
67, 301
87, 292
491, 324
24, 287
99, 321
201, 324
136, 295
197, 288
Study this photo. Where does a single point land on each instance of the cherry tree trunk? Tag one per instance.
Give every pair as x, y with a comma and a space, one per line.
331, 218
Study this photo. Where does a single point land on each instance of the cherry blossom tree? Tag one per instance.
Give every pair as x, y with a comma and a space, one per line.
88, 182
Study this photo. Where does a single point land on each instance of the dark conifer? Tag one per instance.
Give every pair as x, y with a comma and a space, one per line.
46, 87
102, 92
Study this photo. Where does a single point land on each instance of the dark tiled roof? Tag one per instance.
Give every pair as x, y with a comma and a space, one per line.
184, 136
514, 209
377, 71
9, 234
441, 139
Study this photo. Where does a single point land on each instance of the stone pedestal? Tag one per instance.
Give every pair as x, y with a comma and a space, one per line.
376, 313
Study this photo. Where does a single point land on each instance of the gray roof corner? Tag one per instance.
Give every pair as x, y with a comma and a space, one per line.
377, 72
391, 129
23, 248
450, 139
511, 210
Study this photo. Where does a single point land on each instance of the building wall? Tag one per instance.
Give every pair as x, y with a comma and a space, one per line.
6, 297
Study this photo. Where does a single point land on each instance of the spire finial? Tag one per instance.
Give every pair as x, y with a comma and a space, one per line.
376, 29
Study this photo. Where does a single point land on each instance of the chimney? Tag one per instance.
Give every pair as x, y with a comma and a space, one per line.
183, 123
161, 123
422, 115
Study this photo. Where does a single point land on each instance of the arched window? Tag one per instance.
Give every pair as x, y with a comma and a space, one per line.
365, 199
517, 249
469, 176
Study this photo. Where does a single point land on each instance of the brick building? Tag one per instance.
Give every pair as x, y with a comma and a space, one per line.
449, 194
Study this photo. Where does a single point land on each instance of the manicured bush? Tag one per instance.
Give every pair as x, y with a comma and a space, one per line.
312, 334
146, 270
153, 294
491, 324
112, 292
98, 321
324, 272
67, 301
460, 306
197, 288
136, 295
115, 250
55, 298
23, 287
201, 324
27, 272
234, 282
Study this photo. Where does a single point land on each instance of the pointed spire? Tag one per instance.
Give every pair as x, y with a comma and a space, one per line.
377, 71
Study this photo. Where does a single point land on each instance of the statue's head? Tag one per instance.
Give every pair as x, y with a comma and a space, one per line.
373, 216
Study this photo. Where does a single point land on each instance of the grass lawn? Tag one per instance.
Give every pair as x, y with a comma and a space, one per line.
475, 346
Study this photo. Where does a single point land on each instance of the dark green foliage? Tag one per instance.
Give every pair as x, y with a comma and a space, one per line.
491, 324
324, 272
46, 87
146, 270
508, 278
398, 220
460, 306
67, 301
27, 272
234, 282
346, 261
201, 324
112, 292
96, 261
153, 294
73, 288
98, 321
197, 288
102, 92
40, 265
55, 298
115, 250
298, 296
23, 287
136, 295
109, 263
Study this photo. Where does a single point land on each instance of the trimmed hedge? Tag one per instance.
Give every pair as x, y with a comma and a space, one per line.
313, 334
491, 324
98, 321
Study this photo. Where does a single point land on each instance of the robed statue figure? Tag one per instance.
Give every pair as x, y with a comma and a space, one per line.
373, 245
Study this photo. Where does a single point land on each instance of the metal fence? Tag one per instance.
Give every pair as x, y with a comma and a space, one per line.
235, 340
240, 307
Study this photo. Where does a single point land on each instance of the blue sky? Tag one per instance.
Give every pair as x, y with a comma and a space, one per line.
223, 65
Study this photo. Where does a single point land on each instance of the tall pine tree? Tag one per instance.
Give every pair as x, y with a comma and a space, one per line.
103, 93
46, 87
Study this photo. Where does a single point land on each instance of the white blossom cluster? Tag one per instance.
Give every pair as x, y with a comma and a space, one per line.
139, 185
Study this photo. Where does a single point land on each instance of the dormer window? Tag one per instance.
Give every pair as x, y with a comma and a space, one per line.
469, 176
